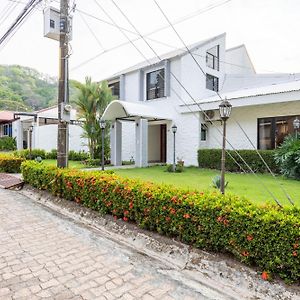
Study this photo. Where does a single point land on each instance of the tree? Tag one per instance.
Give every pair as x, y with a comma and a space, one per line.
91, 102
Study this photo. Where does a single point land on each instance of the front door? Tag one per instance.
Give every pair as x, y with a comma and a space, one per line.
163, 143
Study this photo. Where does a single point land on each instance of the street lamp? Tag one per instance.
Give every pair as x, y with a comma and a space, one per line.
174, 130
102, 126
225, 110
296, 124
30, 141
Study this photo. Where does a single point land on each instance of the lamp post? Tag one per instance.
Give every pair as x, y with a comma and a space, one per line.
30, 141
102, 126
296, 124
174, 130
225, 110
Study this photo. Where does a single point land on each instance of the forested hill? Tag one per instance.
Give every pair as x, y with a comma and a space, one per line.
25, 89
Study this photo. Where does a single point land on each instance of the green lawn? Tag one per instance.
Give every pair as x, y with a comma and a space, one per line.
240, 184
72, 164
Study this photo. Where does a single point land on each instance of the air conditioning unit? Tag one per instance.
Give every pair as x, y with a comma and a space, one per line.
210, 115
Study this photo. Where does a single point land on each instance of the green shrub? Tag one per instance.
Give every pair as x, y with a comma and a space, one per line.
211, 159
287, 157
179, 168
34, 153
52, 154
8, 143
78, 156
266, 236
216, 182
10, 164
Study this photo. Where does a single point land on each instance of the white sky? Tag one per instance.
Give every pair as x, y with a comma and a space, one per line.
268, 28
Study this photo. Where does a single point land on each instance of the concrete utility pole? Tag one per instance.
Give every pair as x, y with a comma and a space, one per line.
63, 87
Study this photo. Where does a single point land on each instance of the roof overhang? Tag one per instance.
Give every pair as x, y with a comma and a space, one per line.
124, 110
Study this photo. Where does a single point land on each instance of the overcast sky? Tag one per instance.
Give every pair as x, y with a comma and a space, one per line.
268, 28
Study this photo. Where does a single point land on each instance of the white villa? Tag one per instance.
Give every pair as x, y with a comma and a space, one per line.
41, 127
151, 101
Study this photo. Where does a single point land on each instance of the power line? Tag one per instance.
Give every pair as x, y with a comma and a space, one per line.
194, 101
19, 20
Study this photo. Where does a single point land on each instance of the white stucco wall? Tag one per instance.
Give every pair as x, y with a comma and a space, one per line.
45, 137
247, 118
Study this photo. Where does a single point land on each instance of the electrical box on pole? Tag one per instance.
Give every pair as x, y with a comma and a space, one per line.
52, 26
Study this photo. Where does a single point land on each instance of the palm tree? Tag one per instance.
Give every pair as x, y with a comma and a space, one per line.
91, 102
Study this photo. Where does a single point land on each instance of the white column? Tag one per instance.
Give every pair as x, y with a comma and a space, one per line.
141, 144
116, 143
18, 133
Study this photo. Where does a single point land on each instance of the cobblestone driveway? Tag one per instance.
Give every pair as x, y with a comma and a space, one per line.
46, 256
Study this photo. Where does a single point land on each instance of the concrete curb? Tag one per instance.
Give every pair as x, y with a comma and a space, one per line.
207, 273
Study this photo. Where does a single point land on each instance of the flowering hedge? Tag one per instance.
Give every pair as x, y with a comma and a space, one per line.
10, 164
265, 236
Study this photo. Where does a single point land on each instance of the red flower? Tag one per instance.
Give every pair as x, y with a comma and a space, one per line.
125, 219
168, 219
249, 237
186, 216
296, 246
126, 212
265, 275
130, 205
245, 253
220, 219
172, 211
295, 253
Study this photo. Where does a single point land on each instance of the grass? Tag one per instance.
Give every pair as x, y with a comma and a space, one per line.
240, 184
72, 164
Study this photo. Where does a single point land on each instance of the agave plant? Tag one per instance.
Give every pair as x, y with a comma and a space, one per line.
216, 182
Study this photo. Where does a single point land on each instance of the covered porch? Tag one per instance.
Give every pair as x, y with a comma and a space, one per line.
150, 130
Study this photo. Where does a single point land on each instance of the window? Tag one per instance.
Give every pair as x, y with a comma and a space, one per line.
155, 84
7, 130
212, 58
203, 135
52, 23
212, 83
272, 131
115, 89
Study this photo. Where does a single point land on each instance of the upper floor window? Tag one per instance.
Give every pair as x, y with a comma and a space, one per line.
115, 89
212, 83
155, 84
52, 23
212, 58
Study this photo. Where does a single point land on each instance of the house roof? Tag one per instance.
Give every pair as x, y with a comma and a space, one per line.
168, 55
271, 89
129, 110
6, 116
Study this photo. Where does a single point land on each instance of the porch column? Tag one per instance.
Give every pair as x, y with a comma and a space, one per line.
116, 143
141, 144
18, 133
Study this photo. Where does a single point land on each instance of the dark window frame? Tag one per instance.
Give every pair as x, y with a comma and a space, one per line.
156, 92
115, 88
215, 83
273, 130
215, 59
203, 132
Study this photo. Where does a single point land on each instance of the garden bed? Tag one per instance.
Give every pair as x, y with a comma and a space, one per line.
264, 236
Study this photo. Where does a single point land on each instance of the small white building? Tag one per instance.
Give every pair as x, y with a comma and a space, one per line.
44, 129
152, 100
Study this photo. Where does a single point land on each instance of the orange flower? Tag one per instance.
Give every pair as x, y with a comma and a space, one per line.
295, 253
186, 216
249, 237
172, 211
125, 219
168, 219
126, 212
245, 253
265, 275
296, 246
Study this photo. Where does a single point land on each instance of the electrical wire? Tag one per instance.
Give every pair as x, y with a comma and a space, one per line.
265, 187
199, 66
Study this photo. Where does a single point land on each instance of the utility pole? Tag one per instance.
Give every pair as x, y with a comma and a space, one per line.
63, 87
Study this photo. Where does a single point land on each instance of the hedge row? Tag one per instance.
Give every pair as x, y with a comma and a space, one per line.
265, 236
211, 158
10, 164
73, 155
